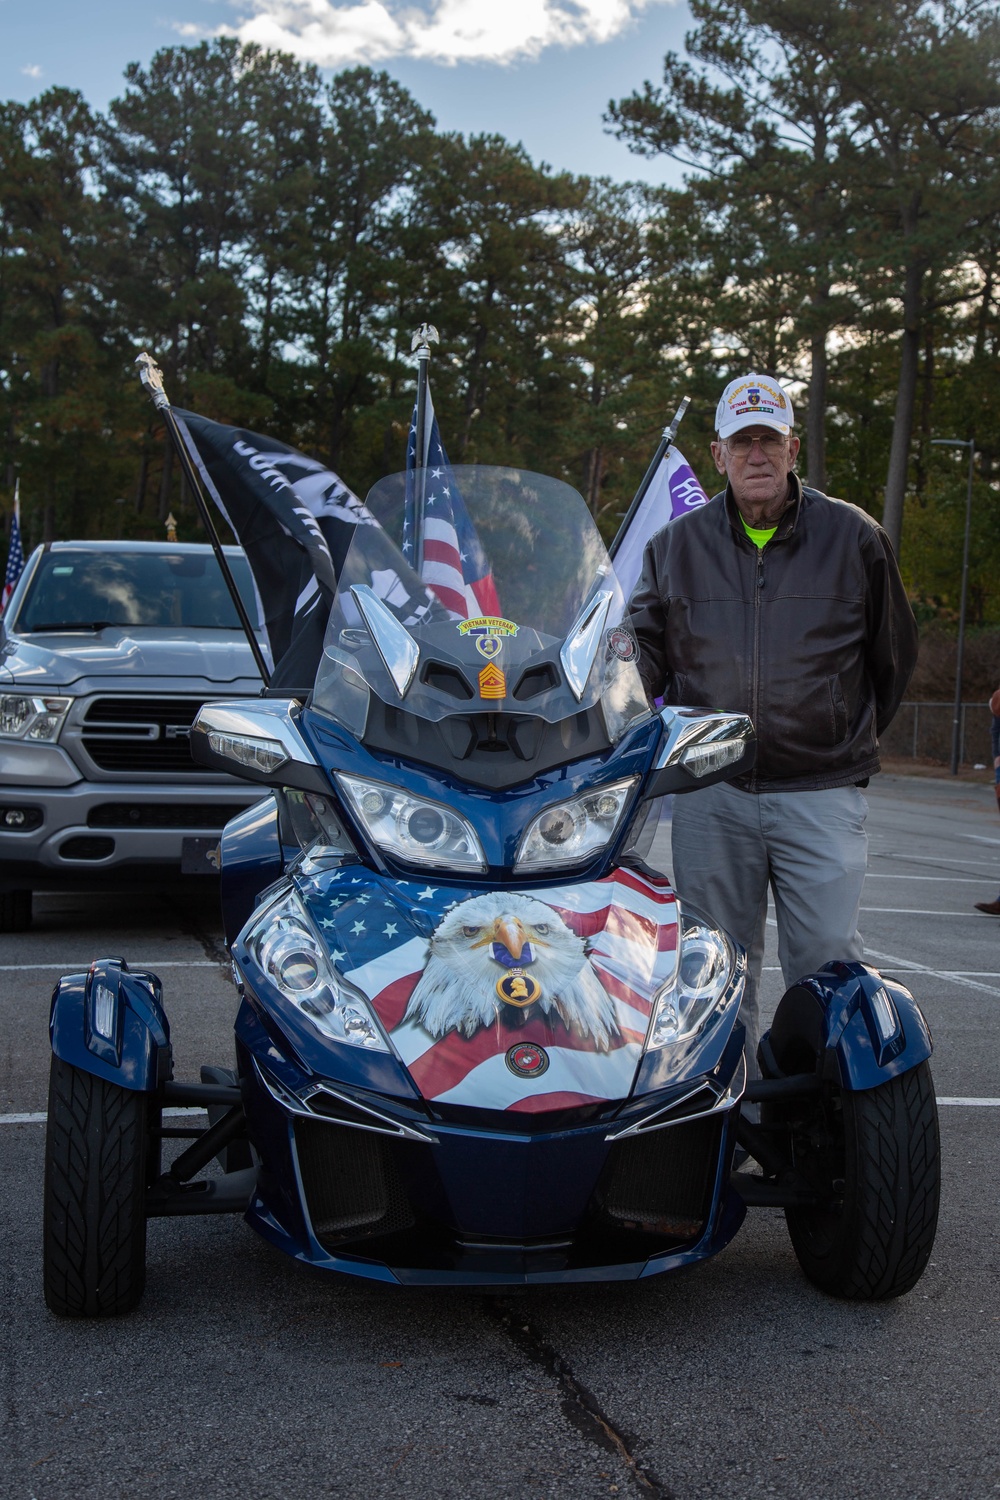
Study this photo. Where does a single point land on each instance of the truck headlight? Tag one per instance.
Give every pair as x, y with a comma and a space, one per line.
285, 948
24, 717
571, 831
703, 986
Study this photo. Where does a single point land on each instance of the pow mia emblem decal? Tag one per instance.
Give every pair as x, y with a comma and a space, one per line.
527, 1060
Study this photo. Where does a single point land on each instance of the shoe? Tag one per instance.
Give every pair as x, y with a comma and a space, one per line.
991, 908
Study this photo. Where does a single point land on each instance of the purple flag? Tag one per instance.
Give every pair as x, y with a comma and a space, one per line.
673, 490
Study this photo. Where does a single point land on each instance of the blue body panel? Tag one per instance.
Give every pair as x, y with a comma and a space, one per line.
252, 859
489, 1182
498, 817
137, 1056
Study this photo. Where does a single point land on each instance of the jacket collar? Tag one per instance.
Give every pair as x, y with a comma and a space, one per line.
786, 521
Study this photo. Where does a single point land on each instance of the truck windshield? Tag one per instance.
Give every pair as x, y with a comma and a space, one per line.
128, 587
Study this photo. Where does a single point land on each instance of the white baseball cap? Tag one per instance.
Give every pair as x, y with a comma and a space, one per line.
753, 401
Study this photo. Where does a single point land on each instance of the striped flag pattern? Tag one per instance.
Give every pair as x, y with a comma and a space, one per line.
629, 924
15, 552
455, 566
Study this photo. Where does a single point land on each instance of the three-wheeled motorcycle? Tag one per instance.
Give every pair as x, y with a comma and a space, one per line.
480, 1041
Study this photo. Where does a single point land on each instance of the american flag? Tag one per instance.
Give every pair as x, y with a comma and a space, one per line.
379, 942
15, 553
455, 566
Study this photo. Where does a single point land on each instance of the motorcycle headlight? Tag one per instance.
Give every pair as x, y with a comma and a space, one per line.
412, 829
282, 943
24, 717
701, 989
572, 831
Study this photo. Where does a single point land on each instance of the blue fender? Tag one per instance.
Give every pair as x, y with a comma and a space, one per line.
111, 1022
849, 1022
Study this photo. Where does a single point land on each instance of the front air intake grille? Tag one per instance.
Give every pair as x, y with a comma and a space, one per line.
661, 1183
352, 1187
141, 733
212, 816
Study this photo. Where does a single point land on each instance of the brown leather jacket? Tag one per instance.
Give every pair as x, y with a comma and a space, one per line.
813, 637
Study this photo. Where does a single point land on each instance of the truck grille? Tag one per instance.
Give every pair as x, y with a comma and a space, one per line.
210, 815
141, 734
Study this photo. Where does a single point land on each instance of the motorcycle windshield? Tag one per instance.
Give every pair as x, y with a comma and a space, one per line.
490, 592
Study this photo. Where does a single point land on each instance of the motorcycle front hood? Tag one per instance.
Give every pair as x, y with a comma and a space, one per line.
525, 1000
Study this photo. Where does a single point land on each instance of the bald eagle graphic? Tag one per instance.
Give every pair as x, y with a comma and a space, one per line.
484, 938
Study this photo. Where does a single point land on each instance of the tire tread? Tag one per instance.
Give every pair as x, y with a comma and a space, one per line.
94, 1216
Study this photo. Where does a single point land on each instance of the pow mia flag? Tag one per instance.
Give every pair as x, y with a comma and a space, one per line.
294, 520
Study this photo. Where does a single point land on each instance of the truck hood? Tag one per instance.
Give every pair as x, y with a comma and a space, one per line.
60, 660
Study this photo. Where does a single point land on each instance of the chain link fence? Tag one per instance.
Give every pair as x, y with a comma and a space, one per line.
923, 731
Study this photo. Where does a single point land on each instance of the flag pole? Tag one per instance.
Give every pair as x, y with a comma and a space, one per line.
152, 378
666, 439
420, 344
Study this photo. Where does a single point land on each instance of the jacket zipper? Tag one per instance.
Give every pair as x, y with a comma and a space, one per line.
755, 694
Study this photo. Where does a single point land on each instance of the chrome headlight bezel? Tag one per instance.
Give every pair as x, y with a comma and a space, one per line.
35, 718
705, 985
588, 822
413, 830
289, 954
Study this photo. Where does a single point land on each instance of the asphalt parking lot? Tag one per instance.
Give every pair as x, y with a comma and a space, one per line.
241, 1376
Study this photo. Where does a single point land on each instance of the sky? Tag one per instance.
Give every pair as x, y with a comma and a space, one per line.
536, 71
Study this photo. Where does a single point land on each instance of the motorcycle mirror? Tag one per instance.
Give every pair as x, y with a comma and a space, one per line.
700, 747
258, 741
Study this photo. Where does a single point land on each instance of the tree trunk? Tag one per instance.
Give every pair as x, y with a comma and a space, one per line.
906, 395
165, 479
816, 413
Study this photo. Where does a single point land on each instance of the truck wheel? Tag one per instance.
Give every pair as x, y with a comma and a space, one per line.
95, 1184
15, 911
879, 1151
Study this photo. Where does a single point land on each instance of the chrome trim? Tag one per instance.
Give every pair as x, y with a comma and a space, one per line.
396, 646
298, 1104
270, 719
725, 1098
685, 727
580, 646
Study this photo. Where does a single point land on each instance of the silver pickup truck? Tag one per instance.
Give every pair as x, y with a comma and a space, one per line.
107, 651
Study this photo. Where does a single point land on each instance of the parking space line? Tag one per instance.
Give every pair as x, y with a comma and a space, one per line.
946, 876
39, 1119
85, 963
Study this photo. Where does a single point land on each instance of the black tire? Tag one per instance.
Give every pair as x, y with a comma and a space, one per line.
95, 1186
15, 911
872, 1239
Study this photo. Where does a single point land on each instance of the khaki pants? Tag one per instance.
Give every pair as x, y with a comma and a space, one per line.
809, 848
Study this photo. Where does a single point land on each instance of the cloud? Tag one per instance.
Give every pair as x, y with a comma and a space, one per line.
31, 70
449, 31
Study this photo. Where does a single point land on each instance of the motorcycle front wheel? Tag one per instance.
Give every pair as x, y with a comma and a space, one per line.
880, 1164
96, 1165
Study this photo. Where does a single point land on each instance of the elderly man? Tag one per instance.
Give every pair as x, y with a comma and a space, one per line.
777, 601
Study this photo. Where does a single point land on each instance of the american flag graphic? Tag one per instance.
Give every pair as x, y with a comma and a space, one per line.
15, 552
455, 565
379, 936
